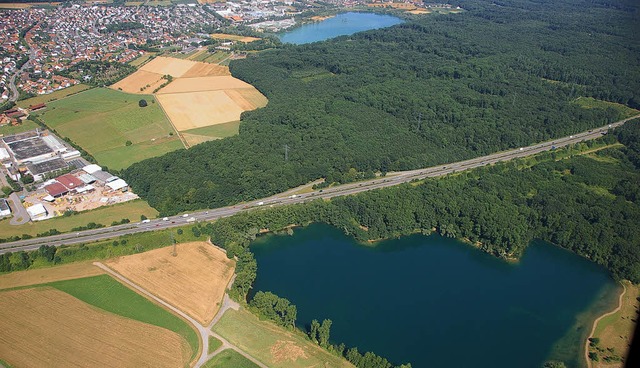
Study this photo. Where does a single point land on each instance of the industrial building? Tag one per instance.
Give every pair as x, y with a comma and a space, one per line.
5, 210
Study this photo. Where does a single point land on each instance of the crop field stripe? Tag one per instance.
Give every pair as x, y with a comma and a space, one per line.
106, 293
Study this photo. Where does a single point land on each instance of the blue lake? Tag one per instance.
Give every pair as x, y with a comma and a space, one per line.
340, 25
437, 302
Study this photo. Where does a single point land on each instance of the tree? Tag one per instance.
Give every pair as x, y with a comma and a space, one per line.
313, 332
128, 143
324, 332
142, 103
143, 217
27, 179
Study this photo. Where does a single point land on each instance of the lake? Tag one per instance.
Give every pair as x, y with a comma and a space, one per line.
437, 302
340, 25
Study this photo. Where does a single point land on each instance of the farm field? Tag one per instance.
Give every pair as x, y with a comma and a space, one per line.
102, 120
144, 58
45, 327
616, 331
15, 129
231, 37
200, 94
194, 280
104, 215
57, 95
108, 294
229, 358
40, 276
216, 131
273, 345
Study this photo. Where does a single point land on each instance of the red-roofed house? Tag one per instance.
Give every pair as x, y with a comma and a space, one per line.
69, 181
56, 190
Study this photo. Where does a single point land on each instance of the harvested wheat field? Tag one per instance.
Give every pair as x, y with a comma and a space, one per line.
199, 109
206, 70
147, 81
44, 327
164, 65
193, 139
184, 85
194, 280
43, 275
225, 36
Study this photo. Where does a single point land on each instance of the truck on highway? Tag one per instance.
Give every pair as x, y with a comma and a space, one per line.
191, 219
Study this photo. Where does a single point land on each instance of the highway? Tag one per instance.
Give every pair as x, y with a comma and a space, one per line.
391, 179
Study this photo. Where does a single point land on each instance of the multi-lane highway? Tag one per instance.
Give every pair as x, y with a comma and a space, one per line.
391, 179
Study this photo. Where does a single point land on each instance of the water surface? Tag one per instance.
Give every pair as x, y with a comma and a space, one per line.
340, 25
437, 302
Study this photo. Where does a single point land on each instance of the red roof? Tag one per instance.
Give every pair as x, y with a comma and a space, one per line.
69, 181
56, 189
37, 107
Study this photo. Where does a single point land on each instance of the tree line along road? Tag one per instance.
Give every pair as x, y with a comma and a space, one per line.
391, 179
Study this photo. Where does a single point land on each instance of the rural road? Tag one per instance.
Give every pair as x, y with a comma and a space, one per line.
203, 332
391, 179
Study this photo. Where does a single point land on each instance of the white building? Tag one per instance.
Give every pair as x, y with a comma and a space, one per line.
37, 212
5, 210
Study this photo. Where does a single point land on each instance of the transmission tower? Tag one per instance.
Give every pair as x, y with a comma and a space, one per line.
286, 152
173, 241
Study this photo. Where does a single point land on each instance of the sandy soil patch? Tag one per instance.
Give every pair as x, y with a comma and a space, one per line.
164, 65
140, 79
44, 275
206, 70
193, 139
199, 109
247, 99
44, 327
225, 36
183, 85
194, 281
287, 351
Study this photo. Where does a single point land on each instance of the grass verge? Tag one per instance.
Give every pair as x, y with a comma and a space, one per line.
218, 131
229, 358
214, 344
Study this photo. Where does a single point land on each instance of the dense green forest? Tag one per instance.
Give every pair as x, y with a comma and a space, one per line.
434, 89
588, 203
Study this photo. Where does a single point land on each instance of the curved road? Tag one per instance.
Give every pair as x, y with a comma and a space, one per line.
391, 179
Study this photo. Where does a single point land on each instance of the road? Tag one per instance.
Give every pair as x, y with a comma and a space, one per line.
203, 331
391, 179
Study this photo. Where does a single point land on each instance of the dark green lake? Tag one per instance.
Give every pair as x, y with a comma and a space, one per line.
437, 302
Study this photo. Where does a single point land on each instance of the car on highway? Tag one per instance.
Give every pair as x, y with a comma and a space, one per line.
185, 215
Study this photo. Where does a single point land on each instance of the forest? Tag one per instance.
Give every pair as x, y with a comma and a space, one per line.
584, 199
431, 90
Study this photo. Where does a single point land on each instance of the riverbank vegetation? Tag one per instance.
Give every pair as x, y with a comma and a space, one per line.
431, 90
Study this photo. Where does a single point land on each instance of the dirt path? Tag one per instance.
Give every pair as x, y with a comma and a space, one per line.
203, 332
595, 324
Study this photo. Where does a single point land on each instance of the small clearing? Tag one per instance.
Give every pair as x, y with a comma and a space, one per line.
194, 280
44, 327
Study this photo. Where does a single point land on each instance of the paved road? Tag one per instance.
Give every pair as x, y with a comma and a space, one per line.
20, 215
391, 179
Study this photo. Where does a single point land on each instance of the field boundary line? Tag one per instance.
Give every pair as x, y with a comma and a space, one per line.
184, 142
200, 330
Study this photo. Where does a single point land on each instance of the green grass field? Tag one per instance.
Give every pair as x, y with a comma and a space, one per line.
102, 120
25, 126
106, 293
104, 215
229, 358
218, 131
260, 338
57, 95
214, 344
144, 58
592, 103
